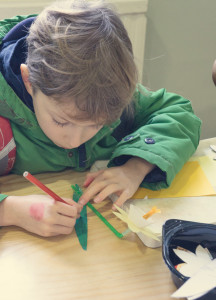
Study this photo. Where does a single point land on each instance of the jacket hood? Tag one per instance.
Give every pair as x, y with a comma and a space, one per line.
13, 51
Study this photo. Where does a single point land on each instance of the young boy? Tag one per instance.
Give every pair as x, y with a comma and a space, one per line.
68, 97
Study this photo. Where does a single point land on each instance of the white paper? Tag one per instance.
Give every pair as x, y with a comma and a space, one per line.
203, 269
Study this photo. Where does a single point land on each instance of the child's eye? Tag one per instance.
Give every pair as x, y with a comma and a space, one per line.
59, 123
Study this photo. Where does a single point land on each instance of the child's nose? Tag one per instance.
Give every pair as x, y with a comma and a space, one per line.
76, 138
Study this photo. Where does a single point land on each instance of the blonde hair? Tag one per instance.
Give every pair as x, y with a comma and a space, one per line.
80, 50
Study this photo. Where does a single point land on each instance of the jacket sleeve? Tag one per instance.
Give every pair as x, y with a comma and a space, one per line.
165, 132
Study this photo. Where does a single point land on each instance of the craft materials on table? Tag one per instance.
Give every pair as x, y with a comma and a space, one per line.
191, 190
180, 204
78, 191
188, 250
200, 267
81, 226
181, 199
137, 220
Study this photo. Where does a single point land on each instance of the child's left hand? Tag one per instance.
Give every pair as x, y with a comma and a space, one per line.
123, 181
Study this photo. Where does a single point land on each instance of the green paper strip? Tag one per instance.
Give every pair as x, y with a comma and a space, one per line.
78, 190
118, 234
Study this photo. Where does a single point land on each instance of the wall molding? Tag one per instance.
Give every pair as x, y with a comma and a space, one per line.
123, 6
132, 13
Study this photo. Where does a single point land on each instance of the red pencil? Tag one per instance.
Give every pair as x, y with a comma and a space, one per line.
39, 184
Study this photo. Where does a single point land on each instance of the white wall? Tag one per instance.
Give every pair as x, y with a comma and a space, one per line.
179, 53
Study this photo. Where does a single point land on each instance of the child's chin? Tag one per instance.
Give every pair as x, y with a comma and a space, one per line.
67, 147
60, 146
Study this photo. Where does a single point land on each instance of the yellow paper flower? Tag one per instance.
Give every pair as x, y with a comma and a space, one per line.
135, 221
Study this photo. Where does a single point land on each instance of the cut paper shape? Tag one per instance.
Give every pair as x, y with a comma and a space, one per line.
153, 211
135, 221
193, 261
191, 181
81, 226
202, 269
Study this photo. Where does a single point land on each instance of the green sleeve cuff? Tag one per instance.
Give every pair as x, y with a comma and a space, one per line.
2, 197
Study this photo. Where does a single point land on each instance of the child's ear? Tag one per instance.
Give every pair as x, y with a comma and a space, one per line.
25, 77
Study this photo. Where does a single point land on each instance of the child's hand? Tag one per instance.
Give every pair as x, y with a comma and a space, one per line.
40, 214
123, 180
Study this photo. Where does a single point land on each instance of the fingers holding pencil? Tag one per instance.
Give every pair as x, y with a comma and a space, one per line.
54, 216
72, 211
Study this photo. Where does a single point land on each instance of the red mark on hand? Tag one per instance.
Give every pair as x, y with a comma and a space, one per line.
37, 211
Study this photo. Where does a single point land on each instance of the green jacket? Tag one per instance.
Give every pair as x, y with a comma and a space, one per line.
164, 132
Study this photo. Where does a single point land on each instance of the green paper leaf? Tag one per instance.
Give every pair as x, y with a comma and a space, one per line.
81, 226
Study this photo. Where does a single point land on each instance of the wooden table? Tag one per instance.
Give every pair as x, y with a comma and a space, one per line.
36, 268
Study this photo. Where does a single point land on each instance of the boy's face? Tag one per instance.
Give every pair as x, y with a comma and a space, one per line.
55, 122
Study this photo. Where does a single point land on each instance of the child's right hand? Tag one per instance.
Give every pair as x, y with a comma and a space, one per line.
40, 214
